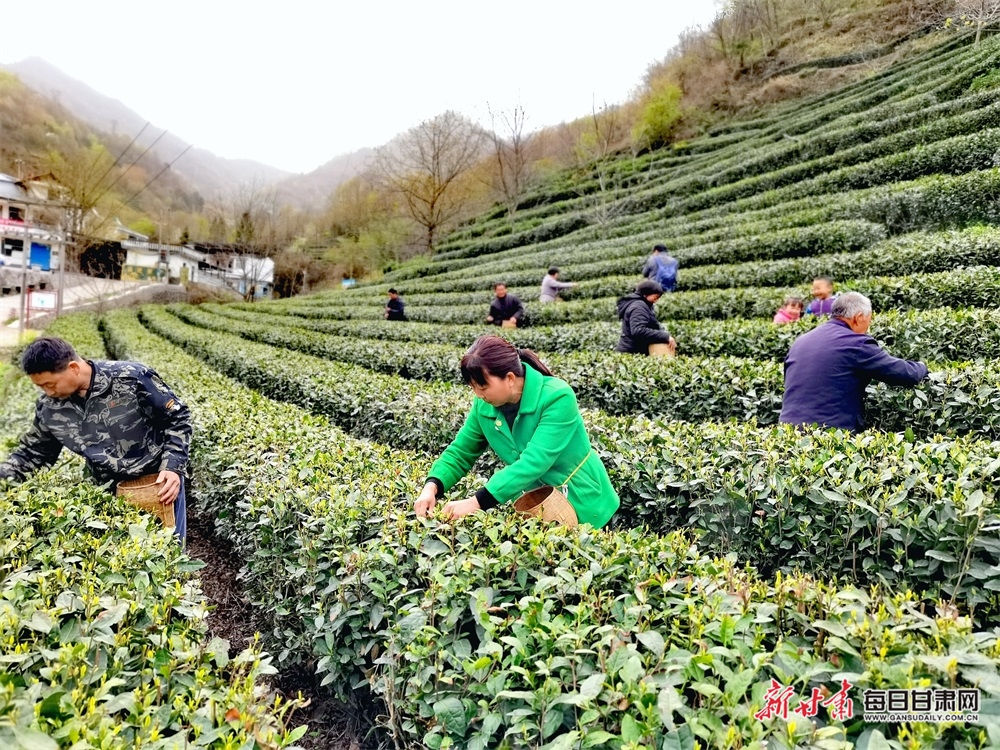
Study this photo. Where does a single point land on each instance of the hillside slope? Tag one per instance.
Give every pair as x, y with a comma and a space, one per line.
205, 171
910, 149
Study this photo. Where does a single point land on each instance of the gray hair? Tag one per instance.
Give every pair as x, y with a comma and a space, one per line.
849, 304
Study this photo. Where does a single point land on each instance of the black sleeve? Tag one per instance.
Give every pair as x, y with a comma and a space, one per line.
640, 326
519, 313
486, 499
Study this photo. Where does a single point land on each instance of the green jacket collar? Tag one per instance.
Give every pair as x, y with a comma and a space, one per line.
530, 396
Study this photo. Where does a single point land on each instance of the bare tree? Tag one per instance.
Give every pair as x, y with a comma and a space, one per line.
513, 155
427, 166
605, 133
253, 212
978, 13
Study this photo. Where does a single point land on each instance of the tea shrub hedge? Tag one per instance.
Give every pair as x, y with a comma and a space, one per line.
104, 629
665, 471
500, 633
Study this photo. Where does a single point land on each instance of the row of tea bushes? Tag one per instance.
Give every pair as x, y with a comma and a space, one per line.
969, 287
498, 632
854, 498
104, 636
961, 399
629, 255
928, 203
940, 335
917, 253
798, 233
920, 252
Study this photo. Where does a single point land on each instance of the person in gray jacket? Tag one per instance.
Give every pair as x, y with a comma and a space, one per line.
551, 286
120, 416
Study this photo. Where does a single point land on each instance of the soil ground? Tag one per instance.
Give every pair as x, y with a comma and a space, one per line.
332, 725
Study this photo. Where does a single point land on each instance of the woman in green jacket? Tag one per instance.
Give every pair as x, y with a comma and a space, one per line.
531, 420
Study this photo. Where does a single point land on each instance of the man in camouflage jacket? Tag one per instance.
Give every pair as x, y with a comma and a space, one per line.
120, 416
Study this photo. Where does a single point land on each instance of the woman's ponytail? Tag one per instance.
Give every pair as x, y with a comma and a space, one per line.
530, 358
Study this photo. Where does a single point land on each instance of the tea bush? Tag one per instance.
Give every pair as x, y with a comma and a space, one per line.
500, 633
104, 629
961, 399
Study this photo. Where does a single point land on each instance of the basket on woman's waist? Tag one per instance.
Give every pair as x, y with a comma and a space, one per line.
549, 504
661, 350
143, 493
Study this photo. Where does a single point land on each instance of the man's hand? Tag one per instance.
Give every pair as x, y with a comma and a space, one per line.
673, 345
425, 502
460, 508
171, 488
489, 318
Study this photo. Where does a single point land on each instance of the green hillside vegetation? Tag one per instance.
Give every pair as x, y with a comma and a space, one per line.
753, 53
744, 551
42, 139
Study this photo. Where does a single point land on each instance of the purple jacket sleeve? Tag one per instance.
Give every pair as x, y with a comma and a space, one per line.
877, 364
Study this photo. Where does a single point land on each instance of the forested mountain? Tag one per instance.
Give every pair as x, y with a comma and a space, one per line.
210, 175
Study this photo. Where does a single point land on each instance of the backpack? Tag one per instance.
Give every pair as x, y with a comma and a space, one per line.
666, 272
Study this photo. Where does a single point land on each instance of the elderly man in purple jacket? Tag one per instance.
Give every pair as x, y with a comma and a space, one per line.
828, 369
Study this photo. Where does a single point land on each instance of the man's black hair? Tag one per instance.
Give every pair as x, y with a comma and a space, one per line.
499, 283
660, 248
553, 271
47, 354
393, 291
827, 279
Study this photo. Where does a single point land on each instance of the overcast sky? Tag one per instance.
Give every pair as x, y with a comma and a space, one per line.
293, 83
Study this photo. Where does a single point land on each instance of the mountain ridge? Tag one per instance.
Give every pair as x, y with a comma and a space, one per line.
211, 175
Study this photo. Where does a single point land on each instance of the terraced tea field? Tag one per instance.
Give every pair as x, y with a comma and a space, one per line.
745, 553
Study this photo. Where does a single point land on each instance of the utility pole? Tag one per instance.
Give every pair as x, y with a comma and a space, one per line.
62, 267
24, 287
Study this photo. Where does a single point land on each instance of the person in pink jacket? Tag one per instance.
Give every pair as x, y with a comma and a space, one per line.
789, 312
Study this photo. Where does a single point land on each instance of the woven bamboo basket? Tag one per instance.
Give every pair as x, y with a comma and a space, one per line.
508, 324
142, 493
660, 350
549, 504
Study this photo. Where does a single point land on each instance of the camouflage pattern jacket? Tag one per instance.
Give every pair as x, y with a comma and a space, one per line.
129, 424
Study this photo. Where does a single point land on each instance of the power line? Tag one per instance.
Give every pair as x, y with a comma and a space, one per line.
136, 195
124, 171
122, 154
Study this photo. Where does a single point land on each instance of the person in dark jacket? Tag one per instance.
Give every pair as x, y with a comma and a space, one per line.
120, 416
505, 307
828, 369
394, 307
640, 328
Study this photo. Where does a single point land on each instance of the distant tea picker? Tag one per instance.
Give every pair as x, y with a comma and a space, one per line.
531, 420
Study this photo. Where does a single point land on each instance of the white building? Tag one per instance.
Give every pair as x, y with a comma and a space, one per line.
219, 266
29, 234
